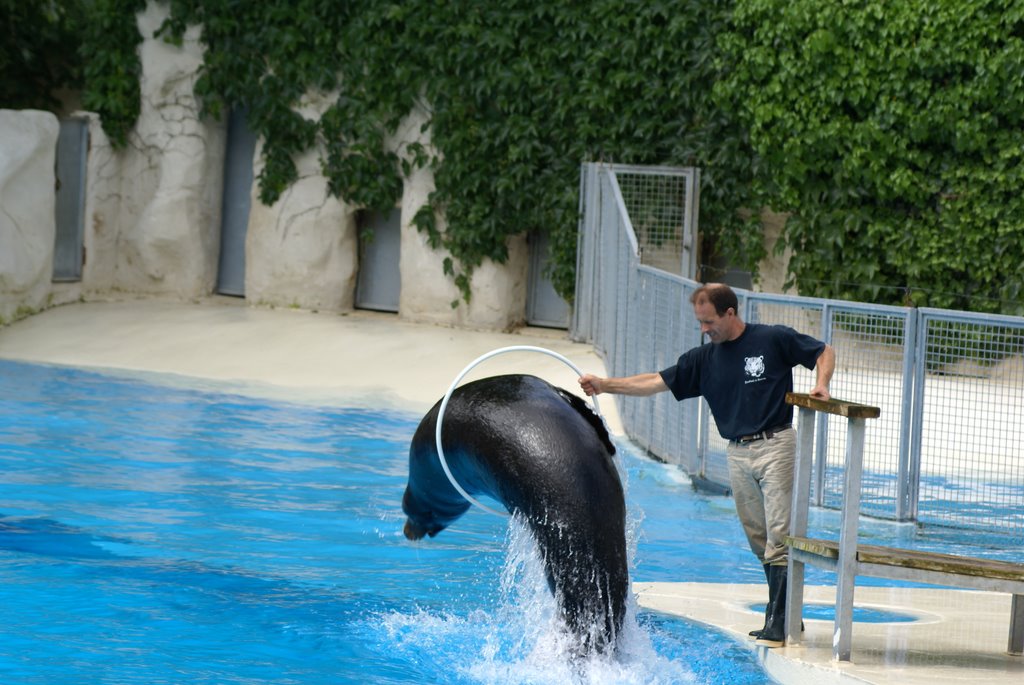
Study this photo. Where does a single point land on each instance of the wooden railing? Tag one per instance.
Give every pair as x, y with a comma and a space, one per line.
849, 559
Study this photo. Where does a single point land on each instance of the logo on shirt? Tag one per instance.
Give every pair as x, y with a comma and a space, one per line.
754, 367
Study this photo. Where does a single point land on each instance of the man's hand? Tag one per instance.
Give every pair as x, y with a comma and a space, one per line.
591, 384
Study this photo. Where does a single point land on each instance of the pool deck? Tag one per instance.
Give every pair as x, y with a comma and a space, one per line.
356, 359
369, 359
955, 636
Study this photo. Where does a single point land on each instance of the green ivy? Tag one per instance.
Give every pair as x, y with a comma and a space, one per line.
38, 45
264, 57
518, 94
112, 68
892, 132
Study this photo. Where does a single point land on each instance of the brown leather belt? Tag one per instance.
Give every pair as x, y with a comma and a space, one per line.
763, 435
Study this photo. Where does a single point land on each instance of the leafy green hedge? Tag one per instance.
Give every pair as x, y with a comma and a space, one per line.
38, 45
893, 132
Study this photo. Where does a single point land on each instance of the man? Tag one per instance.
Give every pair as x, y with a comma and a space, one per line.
744, 373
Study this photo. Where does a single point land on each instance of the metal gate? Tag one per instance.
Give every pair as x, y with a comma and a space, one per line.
238, 176
72, 148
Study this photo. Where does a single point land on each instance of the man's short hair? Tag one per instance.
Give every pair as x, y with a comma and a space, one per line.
719, 295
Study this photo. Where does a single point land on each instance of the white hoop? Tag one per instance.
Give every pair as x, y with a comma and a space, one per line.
451, 389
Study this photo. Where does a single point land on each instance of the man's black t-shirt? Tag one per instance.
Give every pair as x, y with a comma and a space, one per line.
745, 380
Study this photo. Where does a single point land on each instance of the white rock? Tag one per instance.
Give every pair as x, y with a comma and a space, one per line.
499, 290
172, 175
153, 213
28, 144
301, 252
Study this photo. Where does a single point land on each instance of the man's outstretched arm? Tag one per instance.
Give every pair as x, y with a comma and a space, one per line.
640, 385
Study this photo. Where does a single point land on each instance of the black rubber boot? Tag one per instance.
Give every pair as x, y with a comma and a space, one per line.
774, 633
754, 634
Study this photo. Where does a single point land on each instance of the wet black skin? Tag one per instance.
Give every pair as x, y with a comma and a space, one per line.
544, 454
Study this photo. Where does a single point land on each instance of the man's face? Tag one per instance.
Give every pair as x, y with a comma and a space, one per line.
717, 328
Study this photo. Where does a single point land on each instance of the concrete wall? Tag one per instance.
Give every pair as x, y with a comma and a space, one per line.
170, 176
28, 141
153, 211
773, 269
499, 290
302, 251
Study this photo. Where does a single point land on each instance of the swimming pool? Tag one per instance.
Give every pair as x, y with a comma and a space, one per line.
158, 534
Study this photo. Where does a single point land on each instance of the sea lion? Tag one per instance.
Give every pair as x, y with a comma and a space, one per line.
544, 454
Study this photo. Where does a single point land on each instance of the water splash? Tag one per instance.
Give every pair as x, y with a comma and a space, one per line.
523, 639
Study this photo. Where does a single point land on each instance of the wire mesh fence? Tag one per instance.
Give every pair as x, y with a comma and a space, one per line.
970, 388
947, 448
660, 204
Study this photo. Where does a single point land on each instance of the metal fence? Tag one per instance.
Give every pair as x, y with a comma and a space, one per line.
947, 448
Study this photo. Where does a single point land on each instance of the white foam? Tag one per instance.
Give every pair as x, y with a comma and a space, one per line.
522, 640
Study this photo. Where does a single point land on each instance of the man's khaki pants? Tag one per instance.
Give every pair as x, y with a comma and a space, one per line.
761, 475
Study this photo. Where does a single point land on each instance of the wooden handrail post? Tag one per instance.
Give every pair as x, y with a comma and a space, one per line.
846, 567
798, 520
842, 639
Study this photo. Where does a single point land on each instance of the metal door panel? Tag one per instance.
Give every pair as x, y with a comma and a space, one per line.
72, 148
379, 283
544, 306
238, 176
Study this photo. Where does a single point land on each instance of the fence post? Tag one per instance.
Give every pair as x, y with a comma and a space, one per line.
907, 491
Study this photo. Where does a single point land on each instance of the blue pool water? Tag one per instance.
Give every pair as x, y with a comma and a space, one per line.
153, 534
827, 612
